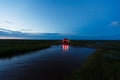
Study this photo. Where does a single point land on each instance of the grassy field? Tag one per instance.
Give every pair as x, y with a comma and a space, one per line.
104, 64
10, 48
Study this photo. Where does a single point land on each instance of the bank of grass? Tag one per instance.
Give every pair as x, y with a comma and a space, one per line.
104, 44
104, 64
10, 48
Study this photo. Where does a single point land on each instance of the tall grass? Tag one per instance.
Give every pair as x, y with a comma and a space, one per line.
104, 64
15, 47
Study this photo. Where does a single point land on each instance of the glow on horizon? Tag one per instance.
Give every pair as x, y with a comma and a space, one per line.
8, 37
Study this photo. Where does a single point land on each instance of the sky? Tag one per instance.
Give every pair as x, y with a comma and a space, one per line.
75, 17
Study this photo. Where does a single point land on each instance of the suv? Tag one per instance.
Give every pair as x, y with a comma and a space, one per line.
65, 41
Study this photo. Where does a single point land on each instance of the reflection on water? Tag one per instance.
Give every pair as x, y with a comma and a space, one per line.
65, 47
47, 64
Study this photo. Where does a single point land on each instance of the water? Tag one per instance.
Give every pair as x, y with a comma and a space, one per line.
55, 63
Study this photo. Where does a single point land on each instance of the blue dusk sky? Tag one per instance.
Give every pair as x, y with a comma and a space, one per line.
70, 17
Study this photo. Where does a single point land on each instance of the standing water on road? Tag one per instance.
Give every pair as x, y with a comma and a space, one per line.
54, 63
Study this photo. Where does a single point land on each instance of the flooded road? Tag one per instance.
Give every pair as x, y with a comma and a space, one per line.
54, 63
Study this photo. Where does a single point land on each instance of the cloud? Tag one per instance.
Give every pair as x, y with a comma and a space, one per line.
7, 37
8, 22
26, 30
5, 30
7, 34
115, 24
9, 25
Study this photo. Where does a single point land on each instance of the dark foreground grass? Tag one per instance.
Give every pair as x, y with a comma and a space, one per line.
10, 48
104, 64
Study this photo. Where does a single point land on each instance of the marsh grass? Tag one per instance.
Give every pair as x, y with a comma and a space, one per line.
10, 48
104, 64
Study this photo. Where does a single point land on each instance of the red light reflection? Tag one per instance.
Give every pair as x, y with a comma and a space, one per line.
65, 47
